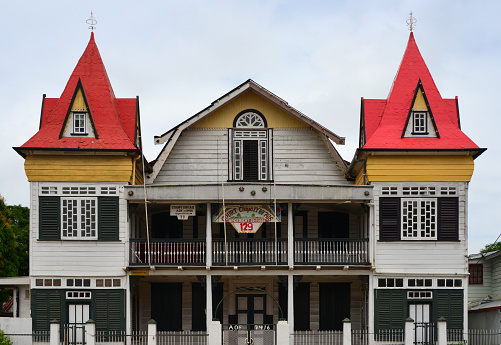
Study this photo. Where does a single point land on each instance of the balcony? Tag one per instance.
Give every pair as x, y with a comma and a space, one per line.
250, 251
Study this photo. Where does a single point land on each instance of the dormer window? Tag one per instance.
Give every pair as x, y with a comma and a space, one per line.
79, 127
419, 122
250, 147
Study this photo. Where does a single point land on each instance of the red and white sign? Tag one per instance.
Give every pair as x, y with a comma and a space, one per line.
247, 219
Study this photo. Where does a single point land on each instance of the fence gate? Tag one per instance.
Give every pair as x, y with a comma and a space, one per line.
424, 333
247, 334
74, 334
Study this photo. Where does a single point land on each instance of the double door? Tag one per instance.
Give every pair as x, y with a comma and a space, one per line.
251, 309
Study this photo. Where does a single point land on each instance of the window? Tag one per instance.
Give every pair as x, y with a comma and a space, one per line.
419, 123
79, 218
476, 273
79, 119
419, 219
250, 147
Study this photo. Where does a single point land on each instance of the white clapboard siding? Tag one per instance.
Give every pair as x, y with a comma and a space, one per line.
477, 292
496, 277
201, 156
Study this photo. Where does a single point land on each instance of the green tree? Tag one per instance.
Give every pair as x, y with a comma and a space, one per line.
20, 216
9, 261
491, 247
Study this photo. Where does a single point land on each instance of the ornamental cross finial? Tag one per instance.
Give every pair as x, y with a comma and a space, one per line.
411, 22
92, 22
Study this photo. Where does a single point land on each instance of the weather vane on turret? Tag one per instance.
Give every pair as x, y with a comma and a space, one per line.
92, 22
411, 22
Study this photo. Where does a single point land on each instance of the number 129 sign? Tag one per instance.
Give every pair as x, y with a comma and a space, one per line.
247, 228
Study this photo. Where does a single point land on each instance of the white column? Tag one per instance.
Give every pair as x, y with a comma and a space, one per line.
152, 332
409, 331
208, 235
54, 333
208, 299
90, 332
442, 331
290, 236
290, 306
15, 307
128, 309
370, 307
346, 332
215, 333
282, 333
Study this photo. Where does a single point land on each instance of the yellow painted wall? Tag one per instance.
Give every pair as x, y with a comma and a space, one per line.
67, 168
224, 116
417, 168
419, 102
79, 103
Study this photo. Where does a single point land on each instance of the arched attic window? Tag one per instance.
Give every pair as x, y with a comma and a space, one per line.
250, 147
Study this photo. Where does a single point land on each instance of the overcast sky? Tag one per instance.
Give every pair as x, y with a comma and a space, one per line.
320, 56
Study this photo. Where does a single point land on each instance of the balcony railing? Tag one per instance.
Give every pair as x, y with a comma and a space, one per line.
250, 251
168, 251
328, 251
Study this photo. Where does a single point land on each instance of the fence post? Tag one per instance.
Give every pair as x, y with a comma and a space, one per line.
409, 331
442, 331
346, 332
54, 332
282, 333
152, 332
90, 332
215, 333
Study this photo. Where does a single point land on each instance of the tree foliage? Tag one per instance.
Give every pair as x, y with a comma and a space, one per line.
9, 260
491, 247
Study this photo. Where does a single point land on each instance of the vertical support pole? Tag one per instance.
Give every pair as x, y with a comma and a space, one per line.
215, 333
208, 300
290, 306
290, 235
346, 331
128, 303
152, 332
90, 332
372, 279
54, 332
409, 331
208, 236
15, 307
442, 331
282, 333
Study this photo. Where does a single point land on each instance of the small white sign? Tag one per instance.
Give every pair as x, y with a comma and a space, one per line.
186, 210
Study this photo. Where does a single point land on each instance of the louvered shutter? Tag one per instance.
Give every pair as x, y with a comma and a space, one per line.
389, 219
250, 160
449, 304
49, 218
45, 307
109, 310
108, 219
389, 309
448, 219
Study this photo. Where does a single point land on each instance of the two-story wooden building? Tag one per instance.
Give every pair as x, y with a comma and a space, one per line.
249, 215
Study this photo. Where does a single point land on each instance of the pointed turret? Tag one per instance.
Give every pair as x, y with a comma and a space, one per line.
87, 116
415, 116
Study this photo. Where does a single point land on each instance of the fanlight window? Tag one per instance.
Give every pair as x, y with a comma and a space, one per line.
250, 120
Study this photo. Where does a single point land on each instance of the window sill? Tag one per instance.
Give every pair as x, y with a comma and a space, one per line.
79, 134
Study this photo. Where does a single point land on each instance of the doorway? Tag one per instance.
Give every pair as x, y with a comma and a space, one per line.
424, 331
78, 315
251, 309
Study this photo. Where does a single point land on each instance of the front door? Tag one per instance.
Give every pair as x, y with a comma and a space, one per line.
423, 329
251, 309
78, 315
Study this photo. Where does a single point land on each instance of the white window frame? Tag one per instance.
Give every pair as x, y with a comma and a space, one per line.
419, 221
79, 231
419, 122
79, 123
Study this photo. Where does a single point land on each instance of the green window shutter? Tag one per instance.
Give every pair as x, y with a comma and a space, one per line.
49, 218
449, 304
45, 307
108, 219
448, 219
109, 310
390, 309
389, 219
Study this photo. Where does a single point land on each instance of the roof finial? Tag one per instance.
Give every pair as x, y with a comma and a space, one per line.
92, 22
411, 22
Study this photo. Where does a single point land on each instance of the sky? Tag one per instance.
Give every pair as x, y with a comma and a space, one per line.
320, 56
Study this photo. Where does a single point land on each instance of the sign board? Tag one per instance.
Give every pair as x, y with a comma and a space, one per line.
247, 219
140, 273
183, 210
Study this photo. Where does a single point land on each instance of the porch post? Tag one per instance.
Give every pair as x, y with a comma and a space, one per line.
55, 328
208, 238
282, 333
152, 332
15, 307
208, 300
409, 331
215, 335
372, 280
442, 331
290, 236
290, 305
346, 332
90, 332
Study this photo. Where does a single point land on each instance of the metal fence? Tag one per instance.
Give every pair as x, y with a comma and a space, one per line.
318, 337
484, 337
181, 338
249, 334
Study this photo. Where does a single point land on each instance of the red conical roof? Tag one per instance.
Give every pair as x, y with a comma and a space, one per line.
114, 119
385, 120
